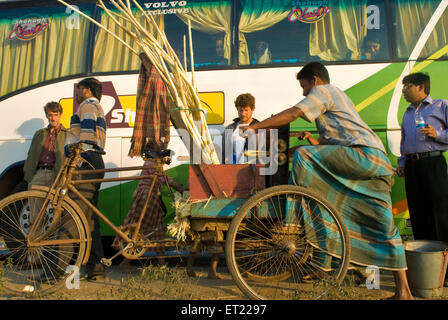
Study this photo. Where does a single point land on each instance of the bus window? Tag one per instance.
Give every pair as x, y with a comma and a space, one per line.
284, 42
210, 23
211, 32
375, 44
111, 55
266, 36
411, 18
209, 49
46, 44
300, 31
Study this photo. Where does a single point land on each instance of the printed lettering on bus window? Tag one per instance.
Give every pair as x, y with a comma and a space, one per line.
309, 11
28, 28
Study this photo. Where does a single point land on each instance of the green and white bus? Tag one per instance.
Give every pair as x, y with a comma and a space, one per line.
240, 46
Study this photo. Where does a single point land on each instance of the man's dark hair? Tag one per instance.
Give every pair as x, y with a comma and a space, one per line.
314, 69
52, 107
372, 38
419, 79
245, 100
94, 85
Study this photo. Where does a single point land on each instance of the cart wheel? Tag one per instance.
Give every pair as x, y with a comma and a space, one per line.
286, 242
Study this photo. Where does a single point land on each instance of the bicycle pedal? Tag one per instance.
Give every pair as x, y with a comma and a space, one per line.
106, 262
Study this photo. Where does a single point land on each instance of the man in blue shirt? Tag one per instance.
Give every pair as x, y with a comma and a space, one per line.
422, 162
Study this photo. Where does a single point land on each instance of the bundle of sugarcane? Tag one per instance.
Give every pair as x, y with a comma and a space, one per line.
188, 114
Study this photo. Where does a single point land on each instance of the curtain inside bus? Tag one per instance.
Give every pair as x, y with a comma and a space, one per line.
54, 52
340, 35
210, 23
211, 17
411, 18
111, 55
337, 36
259, 15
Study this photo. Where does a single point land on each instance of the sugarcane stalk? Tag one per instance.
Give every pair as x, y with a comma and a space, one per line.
191, 53
167, 63
99, 25
108, 12
185, 53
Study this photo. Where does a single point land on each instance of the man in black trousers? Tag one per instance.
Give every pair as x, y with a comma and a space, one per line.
89, 124
422, 160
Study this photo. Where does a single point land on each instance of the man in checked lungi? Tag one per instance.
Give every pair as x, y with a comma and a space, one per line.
350, 168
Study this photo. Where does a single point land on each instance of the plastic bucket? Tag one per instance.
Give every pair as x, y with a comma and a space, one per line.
427, 264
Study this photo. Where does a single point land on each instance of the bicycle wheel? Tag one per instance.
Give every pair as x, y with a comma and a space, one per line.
286, 242
40, 261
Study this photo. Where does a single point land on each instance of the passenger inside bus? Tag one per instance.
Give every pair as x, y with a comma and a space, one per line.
371, 48
262, 53
220, 59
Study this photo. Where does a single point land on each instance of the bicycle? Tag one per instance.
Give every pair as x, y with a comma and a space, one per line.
47, 234
284, 242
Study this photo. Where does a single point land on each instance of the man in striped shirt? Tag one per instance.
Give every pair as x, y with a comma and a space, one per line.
350, 167
88, 123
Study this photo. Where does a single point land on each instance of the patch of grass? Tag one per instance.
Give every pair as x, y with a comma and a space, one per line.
344, 291
171, 282
347, 290
4, 264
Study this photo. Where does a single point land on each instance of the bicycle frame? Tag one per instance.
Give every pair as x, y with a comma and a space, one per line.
64, 182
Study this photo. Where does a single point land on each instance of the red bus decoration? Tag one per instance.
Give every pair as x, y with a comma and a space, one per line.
308, 14
28, 28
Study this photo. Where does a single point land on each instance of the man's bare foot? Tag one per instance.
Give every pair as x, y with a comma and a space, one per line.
398, 296
126, 266
402, 290
214, 276
191, 273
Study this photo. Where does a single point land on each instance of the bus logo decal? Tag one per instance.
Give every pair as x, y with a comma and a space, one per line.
309, 11
120, 110
28, 28
166, 7
165, 4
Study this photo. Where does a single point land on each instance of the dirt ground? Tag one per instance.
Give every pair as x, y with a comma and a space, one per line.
172, 283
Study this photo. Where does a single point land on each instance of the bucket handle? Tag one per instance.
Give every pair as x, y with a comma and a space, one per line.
441, 278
